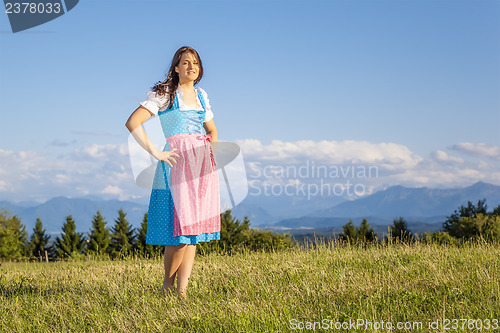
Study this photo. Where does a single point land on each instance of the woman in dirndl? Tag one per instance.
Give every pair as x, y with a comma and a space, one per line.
184, 207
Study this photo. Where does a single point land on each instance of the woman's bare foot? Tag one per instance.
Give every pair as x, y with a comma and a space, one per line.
182, 294
167, 291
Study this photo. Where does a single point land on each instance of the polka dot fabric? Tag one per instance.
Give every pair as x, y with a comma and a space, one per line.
184, 205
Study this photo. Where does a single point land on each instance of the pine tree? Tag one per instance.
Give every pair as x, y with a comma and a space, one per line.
399, 230
496, 211
71, 243
99, 236
236, 235
39, 241
233, 232
452, 223
13, 237
122, 237
140, 245
364, 232
349, 232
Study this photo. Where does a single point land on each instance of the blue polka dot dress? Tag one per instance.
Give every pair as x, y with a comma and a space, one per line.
161, 210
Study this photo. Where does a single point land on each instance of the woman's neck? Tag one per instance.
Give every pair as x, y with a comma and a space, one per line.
187, 86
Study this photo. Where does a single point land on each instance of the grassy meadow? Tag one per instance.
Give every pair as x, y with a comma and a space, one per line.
289, 290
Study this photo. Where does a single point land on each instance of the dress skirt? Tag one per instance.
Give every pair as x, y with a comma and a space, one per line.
184, 206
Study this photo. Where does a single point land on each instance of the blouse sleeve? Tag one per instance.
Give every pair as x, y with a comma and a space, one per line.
209, 114
154, 102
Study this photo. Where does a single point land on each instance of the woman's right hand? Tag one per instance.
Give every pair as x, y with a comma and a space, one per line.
167, 156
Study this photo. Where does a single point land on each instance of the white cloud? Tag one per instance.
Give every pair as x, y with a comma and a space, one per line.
114, 191
82, 190
478, 149
442, 156
89, 170
3, 186
386, 155
394, 163
97, 151
105, 169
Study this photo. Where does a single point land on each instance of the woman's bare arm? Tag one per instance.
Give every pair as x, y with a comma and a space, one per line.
138, 117
211, 129
134, 125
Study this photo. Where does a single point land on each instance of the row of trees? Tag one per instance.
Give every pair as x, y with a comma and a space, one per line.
236, 236
101, 240
121, 240
468, 221
364, 233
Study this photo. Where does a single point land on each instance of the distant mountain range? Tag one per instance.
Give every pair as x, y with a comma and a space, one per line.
425, 210
403, 201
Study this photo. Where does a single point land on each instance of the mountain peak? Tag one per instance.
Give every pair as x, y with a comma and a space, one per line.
420, 201
56, 199
481, 184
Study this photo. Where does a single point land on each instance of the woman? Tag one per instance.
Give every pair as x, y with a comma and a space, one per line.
184, 206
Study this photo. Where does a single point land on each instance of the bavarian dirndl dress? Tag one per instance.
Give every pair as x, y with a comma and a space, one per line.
184, 206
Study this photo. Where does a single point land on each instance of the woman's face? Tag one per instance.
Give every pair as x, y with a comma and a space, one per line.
188, 68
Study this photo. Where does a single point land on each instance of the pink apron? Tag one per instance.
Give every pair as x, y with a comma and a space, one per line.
195, 185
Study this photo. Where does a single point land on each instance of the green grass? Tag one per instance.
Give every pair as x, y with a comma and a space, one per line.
257, 292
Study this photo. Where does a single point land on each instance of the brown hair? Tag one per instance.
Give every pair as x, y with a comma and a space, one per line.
169, 85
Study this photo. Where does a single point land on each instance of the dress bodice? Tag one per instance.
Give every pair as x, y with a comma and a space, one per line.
175, 121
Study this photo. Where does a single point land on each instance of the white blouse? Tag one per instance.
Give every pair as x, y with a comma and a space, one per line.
156, 103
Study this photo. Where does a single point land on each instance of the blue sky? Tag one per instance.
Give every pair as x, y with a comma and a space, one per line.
414, 83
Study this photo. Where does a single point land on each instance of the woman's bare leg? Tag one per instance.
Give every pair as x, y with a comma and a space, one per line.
173, 259
185, 268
